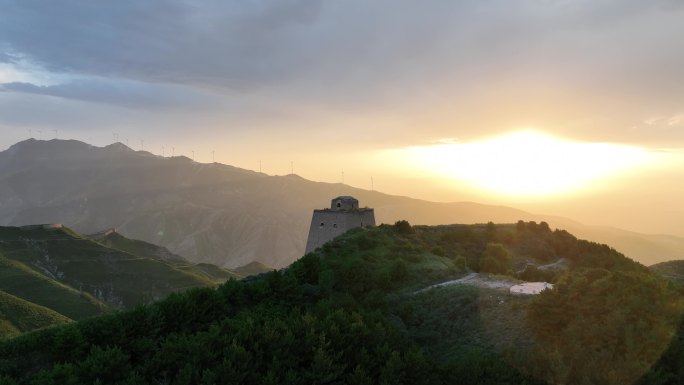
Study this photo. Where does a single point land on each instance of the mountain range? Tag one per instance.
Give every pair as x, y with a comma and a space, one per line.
223, 215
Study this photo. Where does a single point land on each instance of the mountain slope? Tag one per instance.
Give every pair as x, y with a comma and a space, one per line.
18, 279
58, 268
114, 240
18, 316
355, 312
670, 270
219, 214
252, 268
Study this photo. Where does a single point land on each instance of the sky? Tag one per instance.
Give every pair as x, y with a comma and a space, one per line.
393, 90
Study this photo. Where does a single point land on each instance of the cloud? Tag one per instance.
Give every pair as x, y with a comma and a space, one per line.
238, 44
208, 42
675, 120
124, 93
665, 121
480, 66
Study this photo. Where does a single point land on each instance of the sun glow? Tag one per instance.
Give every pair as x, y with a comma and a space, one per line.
527, 163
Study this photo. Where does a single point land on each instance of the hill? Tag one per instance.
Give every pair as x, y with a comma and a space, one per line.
356, 311
670, 270
20, 280
115, 277
223, 215
53, 268
18, 316
112, 239
252, 268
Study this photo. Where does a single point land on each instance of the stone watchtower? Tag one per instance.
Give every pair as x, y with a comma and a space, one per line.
344, 214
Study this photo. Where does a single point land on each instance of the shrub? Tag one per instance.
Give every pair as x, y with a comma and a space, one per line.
403, 227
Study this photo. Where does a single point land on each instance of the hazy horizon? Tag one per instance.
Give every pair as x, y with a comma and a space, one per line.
572, 206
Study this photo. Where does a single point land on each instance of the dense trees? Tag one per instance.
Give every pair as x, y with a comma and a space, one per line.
495, 259
320, 321
351, 313
260, 332
603, 327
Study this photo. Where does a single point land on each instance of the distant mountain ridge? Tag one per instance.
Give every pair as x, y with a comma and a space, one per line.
220, 214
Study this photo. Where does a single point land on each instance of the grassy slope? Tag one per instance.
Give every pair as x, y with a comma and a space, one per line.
117, 241
252, 268
143, 249
115, 277
18, 316
20, 280
214, 273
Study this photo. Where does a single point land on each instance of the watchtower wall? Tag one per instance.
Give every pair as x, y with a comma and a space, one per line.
328, 224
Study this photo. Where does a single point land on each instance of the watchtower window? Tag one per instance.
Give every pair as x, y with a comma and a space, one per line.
334, 225
339, 205
322, 224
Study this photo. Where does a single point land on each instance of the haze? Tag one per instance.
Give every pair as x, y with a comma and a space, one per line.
573, 108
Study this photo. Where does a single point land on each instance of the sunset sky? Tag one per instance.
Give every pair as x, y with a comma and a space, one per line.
568, 107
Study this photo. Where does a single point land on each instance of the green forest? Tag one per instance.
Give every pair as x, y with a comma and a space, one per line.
356, 312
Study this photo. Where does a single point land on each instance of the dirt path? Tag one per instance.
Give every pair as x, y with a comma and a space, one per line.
475, 279
551, 266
